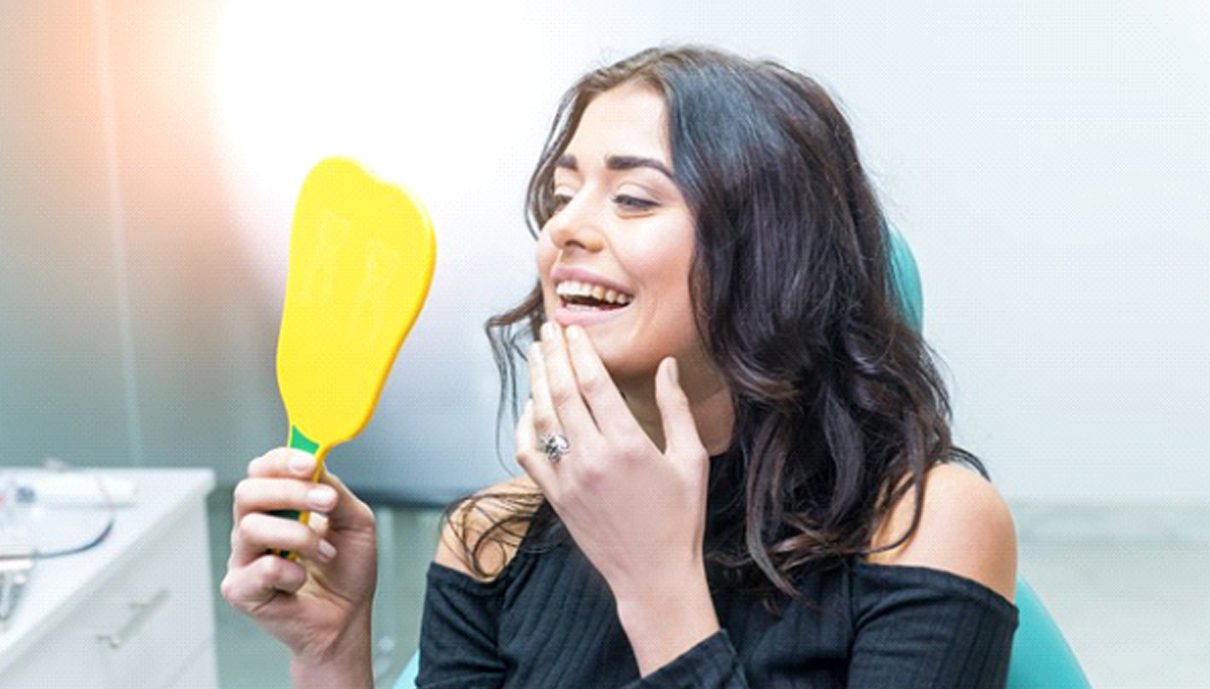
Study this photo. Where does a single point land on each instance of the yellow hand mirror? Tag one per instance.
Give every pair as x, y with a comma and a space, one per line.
362, 253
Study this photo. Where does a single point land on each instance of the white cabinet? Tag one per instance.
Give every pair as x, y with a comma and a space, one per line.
135, 612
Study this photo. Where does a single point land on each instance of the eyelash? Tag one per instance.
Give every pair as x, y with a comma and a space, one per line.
633, 203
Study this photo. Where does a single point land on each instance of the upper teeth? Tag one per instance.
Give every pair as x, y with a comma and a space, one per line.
572, 288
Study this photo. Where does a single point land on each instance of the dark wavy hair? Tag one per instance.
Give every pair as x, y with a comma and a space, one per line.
839, 409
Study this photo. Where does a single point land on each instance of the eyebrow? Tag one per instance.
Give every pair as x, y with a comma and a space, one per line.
618, 163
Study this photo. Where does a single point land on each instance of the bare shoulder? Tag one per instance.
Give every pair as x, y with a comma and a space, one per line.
965, 528
470, 522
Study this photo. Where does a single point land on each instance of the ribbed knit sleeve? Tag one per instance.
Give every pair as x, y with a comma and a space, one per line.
549, 621
711, 664
458, 631
924, 627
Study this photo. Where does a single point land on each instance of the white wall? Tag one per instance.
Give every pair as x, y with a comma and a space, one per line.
1047, 165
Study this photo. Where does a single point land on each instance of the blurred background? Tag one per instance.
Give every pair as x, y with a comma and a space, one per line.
1047, 163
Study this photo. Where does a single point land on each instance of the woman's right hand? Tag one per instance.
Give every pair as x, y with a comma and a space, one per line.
315, 604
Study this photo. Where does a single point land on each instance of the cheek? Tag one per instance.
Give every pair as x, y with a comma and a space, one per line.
672, 310
544, 257
544, 252
679, 301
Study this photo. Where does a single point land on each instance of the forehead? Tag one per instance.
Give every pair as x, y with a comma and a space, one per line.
630, 119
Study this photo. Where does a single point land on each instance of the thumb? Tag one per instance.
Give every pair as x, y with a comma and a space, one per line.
681, 439
350, 512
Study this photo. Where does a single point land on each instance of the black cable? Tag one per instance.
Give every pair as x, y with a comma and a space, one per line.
97, 540
41, 555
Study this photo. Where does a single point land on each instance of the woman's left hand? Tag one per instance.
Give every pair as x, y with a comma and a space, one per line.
637, 513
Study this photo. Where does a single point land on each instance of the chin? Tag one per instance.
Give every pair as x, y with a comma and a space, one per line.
626, 370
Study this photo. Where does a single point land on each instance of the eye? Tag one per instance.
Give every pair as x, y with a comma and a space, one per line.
559, 200
633, 202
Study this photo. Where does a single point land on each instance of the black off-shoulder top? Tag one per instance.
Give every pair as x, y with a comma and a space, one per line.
549, 621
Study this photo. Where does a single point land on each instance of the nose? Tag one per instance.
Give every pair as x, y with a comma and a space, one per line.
577, 224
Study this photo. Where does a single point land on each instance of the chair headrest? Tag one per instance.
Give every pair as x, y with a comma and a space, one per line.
905, 277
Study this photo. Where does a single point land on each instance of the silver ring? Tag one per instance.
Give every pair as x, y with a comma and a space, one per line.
555, 445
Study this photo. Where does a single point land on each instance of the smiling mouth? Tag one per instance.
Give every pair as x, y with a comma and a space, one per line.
579, 303
575, 295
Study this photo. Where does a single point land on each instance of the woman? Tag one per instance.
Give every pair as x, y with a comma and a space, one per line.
728, 443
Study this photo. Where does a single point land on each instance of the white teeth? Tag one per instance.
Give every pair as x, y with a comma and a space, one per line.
574, 288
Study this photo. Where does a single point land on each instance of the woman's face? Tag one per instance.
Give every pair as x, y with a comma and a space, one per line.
623, 234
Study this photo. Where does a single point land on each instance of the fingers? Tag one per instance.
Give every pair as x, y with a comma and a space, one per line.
251, 587
279, 480
558, 401
604, 400
532, 460
319, 523
540, 409
266, 494
285, 478
349, 511
681, 438
257, 532
283, 461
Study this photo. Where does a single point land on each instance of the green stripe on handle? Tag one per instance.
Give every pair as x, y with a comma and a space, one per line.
299, 441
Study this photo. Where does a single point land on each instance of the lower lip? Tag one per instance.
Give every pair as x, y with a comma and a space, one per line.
565, 316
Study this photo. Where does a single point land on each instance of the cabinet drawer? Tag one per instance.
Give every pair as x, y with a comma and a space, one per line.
201, 672
147, 620
67, 660
155, 613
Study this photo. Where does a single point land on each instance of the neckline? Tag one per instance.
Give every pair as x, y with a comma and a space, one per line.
933, 574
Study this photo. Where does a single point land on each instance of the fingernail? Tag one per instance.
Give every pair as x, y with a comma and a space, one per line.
301, 462
326, 550
321, 496
673, 374
574, 332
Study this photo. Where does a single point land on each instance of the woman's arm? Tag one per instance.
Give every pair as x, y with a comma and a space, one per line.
459, 624
646, 612
636, 510
936, 611
349, 666
965, 528
318, 606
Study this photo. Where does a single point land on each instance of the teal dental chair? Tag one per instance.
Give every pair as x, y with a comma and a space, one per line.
1041, 658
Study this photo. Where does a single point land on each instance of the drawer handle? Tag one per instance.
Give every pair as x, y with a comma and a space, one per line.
141, 611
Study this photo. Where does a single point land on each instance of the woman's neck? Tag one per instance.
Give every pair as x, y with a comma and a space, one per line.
709, 401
